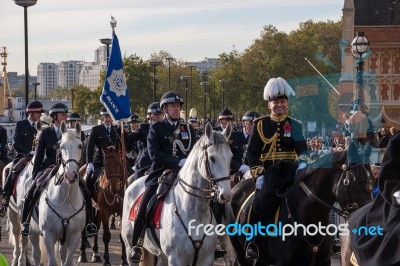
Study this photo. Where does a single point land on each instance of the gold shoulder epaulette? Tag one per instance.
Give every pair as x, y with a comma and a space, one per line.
260, 118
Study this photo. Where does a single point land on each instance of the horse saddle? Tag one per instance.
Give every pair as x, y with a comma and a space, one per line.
21, 164
245, 212
153, 213
165, 182
41, 181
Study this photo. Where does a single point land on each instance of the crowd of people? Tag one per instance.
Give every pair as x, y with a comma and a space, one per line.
165, 141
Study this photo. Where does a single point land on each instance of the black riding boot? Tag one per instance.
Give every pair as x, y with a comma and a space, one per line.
29, 203
91, 229
6, 194
140, 225
251, 247
218, 210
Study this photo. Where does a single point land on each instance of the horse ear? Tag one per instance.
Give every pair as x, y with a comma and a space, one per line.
63, 127
78, 128
227, 132
208, 129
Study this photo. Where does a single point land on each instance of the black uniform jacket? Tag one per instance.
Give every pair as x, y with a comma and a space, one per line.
162, 140
272, 140
23, 137
46, 146
98, 137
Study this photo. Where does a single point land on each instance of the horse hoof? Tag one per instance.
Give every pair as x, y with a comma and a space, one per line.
124, 263
96, 258
106, 264
82, 259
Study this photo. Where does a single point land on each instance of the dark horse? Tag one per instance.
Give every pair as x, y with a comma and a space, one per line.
108, 195
343, 177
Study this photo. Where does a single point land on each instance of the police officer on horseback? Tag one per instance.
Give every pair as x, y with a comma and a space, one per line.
46, 157
143, 163
169, 143
275, 137
23, 138
247, 122
104, 134
134, 140
71, 120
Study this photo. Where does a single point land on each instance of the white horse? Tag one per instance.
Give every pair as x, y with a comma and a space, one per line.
61, 205
20, 254
204, 176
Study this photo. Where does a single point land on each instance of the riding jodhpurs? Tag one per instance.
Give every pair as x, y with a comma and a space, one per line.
29, 203
140, 220
88, 201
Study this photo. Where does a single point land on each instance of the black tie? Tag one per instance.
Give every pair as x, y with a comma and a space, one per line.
108, 130
33, 125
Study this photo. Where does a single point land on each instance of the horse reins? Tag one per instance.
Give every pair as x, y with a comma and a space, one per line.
343, 213
211, 194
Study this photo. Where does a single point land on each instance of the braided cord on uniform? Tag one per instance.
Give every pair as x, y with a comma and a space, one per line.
272, 141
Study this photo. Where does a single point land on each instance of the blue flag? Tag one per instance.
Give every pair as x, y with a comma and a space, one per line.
115, 96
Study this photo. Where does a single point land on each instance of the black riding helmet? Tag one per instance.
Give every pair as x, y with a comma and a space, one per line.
34, 106
250, 116
170, 97
154, 108
57, 108
74, 117
134, 118
225, 114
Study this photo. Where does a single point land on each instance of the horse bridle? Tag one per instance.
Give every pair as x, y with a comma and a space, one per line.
345, 180
212, 191
64, 163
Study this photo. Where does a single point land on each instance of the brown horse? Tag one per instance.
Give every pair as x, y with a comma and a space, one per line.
108, 195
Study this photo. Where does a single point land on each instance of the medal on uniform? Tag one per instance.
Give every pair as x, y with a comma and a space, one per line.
287, 130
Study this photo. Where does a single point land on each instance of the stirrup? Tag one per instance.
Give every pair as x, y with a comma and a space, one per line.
135, 254
25, 230
3, 210
91, 230
252, 252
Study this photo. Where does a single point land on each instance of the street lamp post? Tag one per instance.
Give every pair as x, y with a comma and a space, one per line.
186, 79
72, 98
154, 64
169, 71
204, 84
191, 85
35, 84
107, 42
359, 46
25, 4
222, 81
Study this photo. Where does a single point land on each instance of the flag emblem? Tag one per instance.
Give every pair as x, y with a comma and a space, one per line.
117, 82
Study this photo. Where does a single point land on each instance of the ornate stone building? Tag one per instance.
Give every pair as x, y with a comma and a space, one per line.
380, 22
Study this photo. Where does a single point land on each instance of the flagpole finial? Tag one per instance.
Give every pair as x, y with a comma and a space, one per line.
113, 24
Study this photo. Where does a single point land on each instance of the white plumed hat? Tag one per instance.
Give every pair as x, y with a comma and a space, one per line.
277, 88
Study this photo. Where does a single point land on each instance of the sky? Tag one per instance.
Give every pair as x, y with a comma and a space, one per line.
62, 30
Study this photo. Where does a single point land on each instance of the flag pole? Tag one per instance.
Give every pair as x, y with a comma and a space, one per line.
123, 153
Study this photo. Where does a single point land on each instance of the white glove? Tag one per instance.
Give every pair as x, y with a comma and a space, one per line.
89, 168
302, 165
260, 181
181, 162
396, 194
32, 153
244, 168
